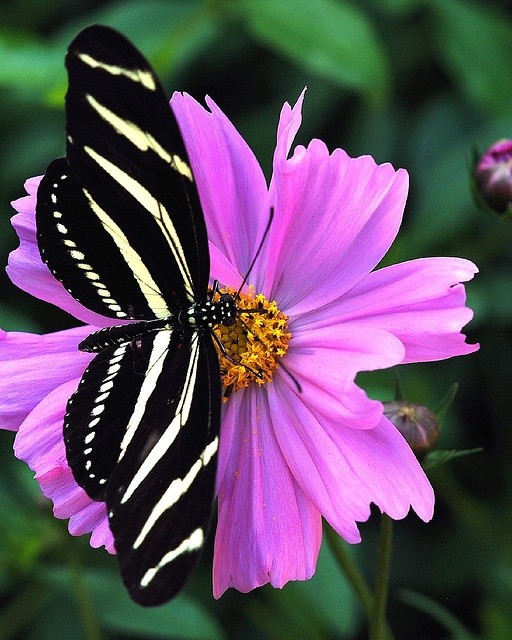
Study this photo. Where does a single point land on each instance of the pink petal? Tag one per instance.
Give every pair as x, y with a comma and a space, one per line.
389, 473
421, 302
223, 270
31, 186
335, 218
59, 485
101, 535
343, 470
326, 361
267, 530
39, 443
290, 120
231, 184
25, 362
27, 271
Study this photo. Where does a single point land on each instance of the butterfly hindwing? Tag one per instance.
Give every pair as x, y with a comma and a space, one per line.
160, 494
137, 438
99, 412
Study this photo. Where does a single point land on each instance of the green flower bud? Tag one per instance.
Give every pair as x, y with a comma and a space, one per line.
416, 423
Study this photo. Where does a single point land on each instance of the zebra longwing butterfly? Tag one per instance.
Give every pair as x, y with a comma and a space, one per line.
119, 223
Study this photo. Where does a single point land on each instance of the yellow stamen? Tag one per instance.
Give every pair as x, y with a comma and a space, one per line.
254, 343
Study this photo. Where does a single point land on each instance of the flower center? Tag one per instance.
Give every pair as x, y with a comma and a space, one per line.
254, 343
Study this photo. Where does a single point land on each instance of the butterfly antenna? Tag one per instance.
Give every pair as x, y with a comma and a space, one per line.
256, 255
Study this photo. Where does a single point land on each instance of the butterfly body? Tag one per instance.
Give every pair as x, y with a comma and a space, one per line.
119, 224
198, 317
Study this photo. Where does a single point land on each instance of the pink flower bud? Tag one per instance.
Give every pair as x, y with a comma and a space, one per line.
493, 177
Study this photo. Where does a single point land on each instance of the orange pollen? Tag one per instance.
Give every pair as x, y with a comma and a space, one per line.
254, 344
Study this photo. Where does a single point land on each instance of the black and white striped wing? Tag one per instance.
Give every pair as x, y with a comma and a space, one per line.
127, 180
99, 268
120, 225
143, 429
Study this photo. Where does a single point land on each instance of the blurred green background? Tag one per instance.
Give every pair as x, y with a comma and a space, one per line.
414, 82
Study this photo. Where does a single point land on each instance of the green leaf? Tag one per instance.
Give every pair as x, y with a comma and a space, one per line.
475, 44
321, 607
447, 401
173, 32
440, 147
26, 531
332, 39
492, 298
441, 456
30, 66
397, 7
12, 319
329, 594
59, 620
439, 613
24, 607
182, 618
496, 620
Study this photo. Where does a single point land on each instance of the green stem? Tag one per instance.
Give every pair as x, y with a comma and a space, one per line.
470, 512
379, 629
85, 606
356, 578
351, 571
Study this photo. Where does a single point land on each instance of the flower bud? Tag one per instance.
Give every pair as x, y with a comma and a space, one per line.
418, 425
492, 177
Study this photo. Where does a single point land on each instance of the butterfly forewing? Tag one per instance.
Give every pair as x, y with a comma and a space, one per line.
73, 242
119, 124
125, 151
136, 429
120, 225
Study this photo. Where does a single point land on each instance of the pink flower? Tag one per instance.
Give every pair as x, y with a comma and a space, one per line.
287, 457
